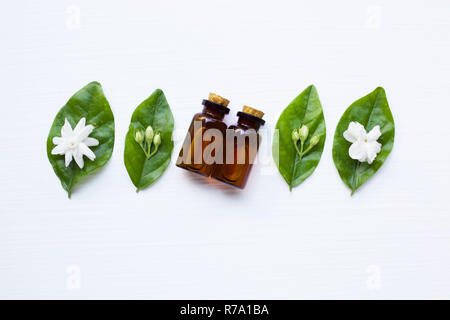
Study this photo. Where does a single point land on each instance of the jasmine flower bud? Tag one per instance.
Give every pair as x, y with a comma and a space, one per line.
139, 137
149, 134
314, 140
303, 132
157, 140
295, 135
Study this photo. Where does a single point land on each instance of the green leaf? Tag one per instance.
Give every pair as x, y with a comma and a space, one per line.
89, 103
304, 110
155, 112
369, 111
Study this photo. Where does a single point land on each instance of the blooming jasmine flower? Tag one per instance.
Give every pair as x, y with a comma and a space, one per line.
364, 146
75, 143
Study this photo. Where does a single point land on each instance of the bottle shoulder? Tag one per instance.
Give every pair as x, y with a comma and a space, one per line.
238, 126
208, 120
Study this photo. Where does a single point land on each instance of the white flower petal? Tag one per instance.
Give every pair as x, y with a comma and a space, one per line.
84, 132
91, 142
357, 151
372, 149
80, 125
354, 132
60, 149
374, 134
68, 157
78, 156
86, 151
58, 140
66, 129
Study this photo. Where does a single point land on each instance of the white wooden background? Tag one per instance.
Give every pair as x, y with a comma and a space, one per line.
187, 238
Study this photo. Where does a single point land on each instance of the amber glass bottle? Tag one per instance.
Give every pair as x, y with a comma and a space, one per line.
242, 143
192, 155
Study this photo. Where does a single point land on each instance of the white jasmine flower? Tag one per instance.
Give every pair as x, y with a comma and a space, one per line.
75, 143
364, 146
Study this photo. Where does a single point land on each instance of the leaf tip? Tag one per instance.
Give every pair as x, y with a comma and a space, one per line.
158, 91
380, 90
94, 84
310, 88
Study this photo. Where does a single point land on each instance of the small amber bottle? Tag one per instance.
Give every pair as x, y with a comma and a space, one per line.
194, 155
242, 143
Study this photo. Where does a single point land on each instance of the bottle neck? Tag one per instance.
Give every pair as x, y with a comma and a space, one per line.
250, 121
214, 110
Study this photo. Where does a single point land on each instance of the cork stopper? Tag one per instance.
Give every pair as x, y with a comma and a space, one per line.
218, 99
252, 111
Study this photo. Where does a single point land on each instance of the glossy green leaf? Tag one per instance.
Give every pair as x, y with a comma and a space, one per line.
155, 112
369, 111
304, 110
89, 103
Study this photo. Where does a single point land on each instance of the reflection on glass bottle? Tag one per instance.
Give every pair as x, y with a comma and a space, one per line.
242, 143
203, 145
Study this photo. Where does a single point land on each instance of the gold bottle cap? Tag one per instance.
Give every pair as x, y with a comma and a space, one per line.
218, 99
252, 111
